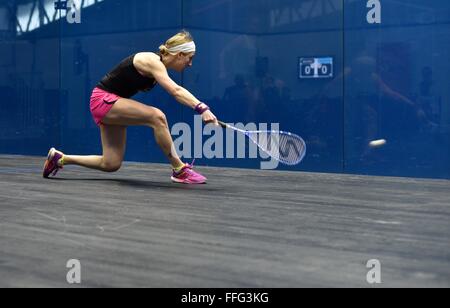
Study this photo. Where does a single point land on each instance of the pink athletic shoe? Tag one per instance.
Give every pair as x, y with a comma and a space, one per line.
51, 164
188, 176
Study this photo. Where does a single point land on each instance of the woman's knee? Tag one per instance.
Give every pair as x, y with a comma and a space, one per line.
158, 119
111, 166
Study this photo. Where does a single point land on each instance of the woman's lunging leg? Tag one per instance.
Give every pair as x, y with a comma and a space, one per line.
130, 113
113, 143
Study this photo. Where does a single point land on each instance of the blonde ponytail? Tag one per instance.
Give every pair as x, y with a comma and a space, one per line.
180, 38
163, 50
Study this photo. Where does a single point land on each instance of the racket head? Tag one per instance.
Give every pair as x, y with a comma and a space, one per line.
286, 147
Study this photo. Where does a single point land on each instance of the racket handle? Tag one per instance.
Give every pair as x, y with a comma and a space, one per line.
224, 125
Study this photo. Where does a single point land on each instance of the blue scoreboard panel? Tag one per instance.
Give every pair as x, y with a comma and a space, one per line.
316, 67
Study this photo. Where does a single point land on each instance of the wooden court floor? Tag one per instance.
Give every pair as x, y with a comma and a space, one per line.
245, 228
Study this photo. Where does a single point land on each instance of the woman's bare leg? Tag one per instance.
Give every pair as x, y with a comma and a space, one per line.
127, 112
113, 142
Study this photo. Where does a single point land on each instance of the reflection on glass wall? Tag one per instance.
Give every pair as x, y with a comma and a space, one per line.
29, 82
258, 61
252, 48
395, 90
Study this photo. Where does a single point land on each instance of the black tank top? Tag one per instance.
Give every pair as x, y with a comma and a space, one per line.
124, 80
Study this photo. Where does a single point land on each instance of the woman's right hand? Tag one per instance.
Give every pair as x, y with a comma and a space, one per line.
209, 117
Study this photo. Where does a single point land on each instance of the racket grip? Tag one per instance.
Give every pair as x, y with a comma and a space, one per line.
224, 125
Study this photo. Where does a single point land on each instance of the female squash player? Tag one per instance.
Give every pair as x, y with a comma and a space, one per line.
113, 110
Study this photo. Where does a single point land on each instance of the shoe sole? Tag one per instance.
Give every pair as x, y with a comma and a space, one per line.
50, 155
175, 180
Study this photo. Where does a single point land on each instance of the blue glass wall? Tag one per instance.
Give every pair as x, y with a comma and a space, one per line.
29, 83
389, 78
395, 88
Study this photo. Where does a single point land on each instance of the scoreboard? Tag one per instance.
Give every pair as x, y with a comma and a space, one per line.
311, 68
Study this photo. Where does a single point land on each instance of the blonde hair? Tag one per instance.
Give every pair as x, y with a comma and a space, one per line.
181, 37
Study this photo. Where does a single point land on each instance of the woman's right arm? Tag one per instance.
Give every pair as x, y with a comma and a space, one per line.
157, 70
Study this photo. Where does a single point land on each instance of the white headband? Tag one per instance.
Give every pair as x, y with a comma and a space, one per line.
186, 48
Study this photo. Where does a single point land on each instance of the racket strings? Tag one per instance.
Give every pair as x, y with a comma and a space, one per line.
287, 148
292, 148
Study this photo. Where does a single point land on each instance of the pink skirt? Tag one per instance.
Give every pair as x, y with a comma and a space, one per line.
101, 103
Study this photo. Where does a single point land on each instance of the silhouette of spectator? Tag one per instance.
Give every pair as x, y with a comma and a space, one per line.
428, 101
237, 92
373, 109
239, 97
